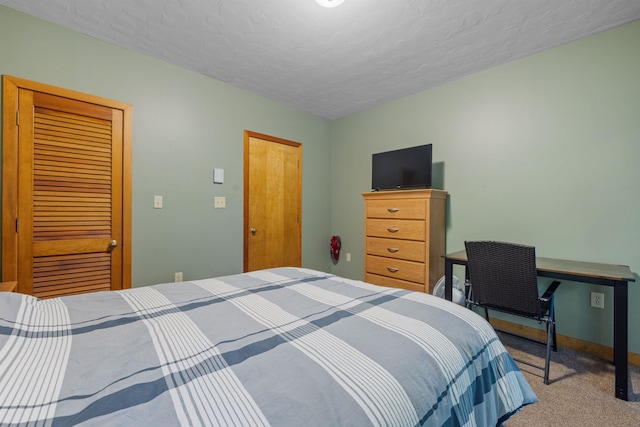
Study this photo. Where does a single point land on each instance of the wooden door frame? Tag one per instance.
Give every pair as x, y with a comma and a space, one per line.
247, 135
10, 167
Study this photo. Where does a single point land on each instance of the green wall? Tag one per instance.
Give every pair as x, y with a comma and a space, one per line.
184, 126
543, 150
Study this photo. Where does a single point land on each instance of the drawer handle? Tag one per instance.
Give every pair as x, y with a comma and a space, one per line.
393, 210
392, 270
393, 230
393, 250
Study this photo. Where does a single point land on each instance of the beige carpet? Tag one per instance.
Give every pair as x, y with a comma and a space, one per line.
581, 392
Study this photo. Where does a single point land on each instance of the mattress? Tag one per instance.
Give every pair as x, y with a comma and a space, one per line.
280, 347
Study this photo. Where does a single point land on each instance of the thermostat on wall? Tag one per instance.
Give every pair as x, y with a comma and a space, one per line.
218, 176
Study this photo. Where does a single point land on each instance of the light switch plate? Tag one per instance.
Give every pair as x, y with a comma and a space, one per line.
157, 202
218, 176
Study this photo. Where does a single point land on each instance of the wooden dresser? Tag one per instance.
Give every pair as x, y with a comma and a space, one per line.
405, 238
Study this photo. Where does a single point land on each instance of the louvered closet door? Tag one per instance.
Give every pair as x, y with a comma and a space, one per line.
70, 207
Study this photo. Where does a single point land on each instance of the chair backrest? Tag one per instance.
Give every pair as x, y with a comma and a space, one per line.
503, 277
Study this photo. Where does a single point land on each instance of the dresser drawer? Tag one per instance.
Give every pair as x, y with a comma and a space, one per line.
396, 229
394, 248
401, 209
398, 269
393, 283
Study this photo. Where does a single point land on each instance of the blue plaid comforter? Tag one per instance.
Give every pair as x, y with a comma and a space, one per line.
281, 347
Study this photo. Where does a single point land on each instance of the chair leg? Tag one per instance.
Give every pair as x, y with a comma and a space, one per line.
550, 339
468, 293
555, 341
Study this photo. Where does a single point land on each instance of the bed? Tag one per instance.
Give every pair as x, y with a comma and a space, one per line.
280, 347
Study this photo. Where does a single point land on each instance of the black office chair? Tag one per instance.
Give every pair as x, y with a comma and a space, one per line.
503, 277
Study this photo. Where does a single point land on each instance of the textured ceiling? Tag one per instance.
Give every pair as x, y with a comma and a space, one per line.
334, 62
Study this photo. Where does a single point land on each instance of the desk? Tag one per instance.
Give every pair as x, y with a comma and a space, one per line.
617, 276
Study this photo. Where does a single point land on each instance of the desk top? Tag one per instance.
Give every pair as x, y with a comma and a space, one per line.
579, 268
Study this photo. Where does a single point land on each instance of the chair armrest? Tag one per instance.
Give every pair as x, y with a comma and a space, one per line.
550, 290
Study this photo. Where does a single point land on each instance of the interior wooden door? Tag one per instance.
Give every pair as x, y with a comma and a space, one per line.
66, 191
273, 202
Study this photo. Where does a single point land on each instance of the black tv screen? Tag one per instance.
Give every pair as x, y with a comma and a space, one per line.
401, 169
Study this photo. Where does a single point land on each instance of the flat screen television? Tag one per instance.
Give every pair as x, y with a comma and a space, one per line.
401, 169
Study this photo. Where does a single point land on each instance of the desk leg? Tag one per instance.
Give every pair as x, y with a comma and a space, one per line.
620, 339
448, 279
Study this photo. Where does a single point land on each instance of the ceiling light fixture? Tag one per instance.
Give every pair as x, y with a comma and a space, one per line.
329, 3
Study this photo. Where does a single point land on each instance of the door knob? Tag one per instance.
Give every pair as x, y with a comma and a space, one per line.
113, 243
253, 231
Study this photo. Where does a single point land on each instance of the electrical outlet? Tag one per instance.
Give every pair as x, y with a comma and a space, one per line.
597, 300
178, 277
